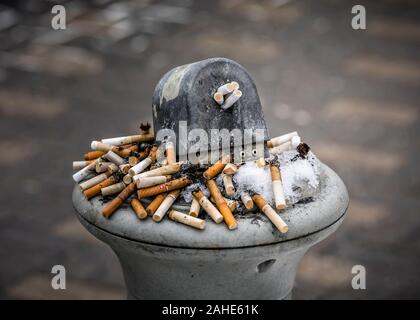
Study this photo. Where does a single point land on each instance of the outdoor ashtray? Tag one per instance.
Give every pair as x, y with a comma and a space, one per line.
253, 260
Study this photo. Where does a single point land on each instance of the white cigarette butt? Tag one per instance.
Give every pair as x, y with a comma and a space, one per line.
114, 158
218, 97
275, 218
232, 99
113, 189
93, 181
247, 200
281, 148
187, 219
139, 167
83, 173
234, 85
77, 165
195, 208
274, 142
145, 182
165, 205
212, 211
228, 183
226, 88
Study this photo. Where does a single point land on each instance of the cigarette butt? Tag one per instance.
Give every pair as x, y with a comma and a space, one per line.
247, 200
187, 219
124, 168
228, 183
113, 189
164, 187
138, 208
83, 173
150, 181
280, 148
100, 146
129, 145
216, 168
260, 162
195, 208
234, 96
153, 153
127, 179
226, 88
152, 207
230, 168
141, 166
274, 142
277, 187
170, 152
105, 147
93, 181
125, 152
114, 158
93, 191
235, 85
211, 210
93, 155
102, 166
222, 205
77, 165
132, 161
129, 139
165, 205
165, 170
270, 213
218, 97
112, 168
110, 208
231, 204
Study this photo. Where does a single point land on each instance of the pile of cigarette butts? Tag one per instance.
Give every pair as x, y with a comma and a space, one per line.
126, 168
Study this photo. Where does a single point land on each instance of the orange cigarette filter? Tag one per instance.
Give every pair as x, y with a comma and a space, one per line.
152, 207
110, 208
164, 187
125, 152
92, 155
153, 153
222, 205
132, 161
170, 153
93, 191
138, 209
275, 173
216, 168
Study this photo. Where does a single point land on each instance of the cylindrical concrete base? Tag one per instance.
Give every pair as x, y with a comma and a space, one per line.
163, 272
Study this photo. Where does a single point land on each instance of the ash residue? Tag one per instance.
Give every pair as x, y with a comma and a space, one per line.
306, 200
106, 199
193, 171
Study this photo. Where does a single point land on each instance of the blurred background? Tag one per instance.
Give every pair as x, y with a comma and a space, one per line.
353, 95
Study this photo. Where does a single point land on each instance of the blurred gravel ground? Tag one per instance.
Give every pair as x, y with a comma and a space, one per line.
352, 95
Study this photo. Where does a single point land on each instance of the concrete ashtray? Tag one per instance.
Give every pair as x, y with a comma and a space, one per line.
217, 209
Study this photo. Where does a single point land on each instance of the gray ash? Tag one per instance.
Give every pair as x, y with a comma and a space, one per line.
194, 172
